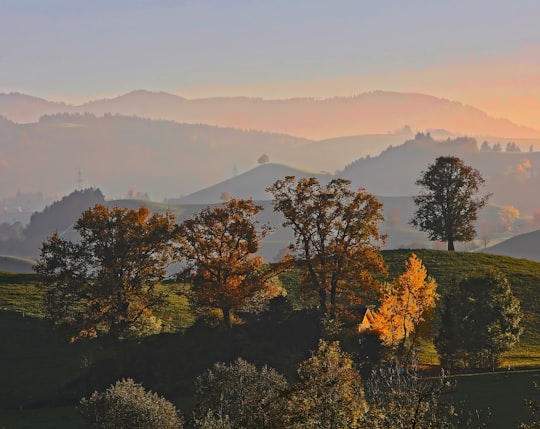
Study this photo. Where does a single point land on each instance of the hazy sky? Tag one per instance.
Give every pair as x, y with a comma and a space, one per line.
482, 52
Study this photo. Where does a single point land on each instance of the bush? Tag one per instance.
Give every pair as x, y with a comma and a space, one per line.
127, 405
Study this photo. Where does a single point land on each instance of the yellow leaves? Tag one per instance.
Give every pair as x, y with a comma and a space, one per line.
405, 303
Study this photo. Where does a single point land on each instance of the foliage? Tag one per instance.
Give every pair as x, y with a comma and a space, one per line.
507, 216
241, 396
481, 320
337, 236
405, 303
127, 405
447, 206
328, 393
404, 400
105, 283
218, 247
210, 421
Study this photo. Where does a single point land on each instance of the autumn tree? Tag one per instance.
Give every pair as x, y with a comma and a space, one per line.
218, 247
405, 303
127, 404
106, 282
240, 395
337, 236
447, 206
508, 216
328, 393
481, 319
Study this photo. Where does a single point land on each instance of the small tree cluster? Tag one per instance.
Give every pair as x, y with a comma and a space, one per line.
327, 395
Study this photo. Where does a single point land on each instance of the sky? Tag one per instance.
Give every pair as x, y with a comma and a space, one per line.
480, 52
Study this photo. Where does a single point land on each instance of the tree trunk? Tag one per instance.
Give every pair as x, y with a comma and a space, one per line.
227, 317
451, 245
322, 301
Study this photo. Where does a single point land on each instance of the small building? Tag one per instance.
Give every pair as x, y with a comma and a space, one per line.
366, 319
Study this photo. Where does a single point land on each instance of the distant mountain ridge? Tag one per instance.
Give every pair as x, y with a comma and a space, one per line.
367, 113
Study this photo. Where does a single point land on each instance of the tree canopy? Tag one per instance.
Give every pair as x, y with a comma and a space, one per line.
480, 320
218, 246
241, 395
447, 205
105, 283
328, 393
337, 236
127, 404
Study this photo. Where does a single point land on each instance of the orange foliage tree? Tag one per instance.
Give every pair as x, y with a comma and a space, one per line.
405, 303
104, 284
337, 236
217, 247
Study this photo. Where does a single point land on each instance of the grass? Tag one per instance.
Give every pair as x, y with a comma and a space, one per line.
500, 393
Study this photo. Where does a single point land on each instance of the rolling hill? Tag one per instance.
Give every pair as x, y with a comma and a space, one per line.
525, 246
251, 184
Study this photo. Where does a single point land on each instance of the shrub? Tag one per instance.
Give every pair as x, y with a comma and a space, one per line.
127, 405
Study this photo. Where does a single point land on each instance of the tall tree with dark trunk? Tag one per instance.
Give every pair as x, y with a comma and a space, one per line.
337, 236
105, 283
447, 206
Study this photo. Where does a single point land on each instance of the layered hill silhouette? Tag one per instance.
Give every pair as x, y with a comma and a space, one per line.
162, 158
376, 112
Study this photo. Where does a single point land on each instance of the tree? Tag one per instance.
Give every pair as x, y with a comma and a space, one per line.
337, 236
405, 400
127, 405
218, 247
447, 206
106, 282
481, 320
241, 396
508, 216
328, 393
405, 303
